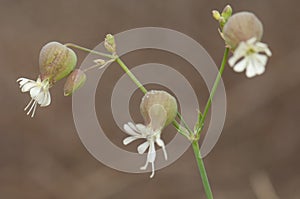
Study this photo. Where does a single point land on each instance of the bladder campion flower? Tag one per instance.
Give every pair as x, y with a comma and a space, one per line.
56, 61
158, 109
242, 34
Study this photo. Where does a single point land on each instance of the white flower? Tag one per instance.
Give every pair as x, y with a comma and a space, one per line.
39, 92
248, 55
158, 109
140, 131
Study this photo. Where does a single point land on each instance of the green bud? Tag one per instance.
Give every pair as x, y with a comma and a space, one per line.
227, 12
74, 81
224, 16
158, 108
242, 26
109, 43
99, 62
56, 61
216, 15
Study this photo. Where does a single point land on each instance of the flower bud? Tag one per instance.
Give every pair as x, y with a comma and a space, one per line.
216, 15
227, 12
240, 27
56, 61
109, 43
100, 62
74, 81
158, 108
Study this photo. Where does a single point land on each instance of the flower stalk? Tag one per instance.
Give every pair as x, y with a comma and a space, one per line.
202, 170
212, 93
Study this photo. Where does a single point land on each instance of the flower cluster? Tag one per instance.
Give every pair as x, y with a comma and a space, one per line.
242, 33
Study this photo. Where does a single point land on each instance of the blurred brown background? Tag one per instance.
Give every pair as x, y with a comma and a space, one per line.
257, 155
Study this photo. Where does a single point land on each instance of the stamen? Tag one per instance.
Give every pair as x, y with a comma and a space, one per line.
33, 112
165, 152
153, 170
32, 107
28, 105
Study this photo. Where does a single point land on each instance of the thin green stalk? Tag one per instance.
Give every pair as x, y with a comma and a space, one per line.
185, 124
89, 50
213, 91
131, 75
195, 143
202, 170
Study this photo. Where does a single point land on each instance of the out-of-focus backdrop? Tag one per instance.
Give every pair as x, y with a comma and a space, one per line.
257, 155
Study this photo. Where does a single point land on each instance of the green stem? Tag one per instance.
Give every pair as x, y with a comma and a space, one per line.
131, 75
89, 50
195, 143
213, 91
202, 170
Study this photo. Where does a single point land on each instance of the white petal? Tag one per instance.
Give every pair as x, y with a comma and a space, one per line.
268, 52
151, 153
44, 99
239, 52
34, 92
129, 130
256, 65
232, 60
161, 143
241, 49
23, 81
260, 69
143, 147
251, 41
141, 128
130, 139
27, 86
47, 100
261, 45
260, 63
153, 170
262, 48
40, 98
131, 125
241, 65
250, 71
